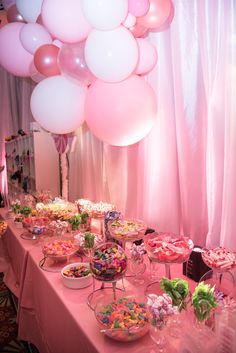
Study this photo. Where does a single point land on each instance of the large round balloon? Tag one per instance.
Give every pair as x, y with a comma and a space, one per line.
13, 15
65, 20
159, 11
139, 31
120, 113
13, 57
45, 60
29, 9
71, 62
111, 55
147, 56
57, 104
105, 14
33, 36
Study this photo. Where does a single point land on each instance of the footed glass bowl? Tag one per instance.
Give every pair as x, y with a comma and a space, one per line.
168, 248
126, 319
59, 249
127, 229
219, 259
108, 262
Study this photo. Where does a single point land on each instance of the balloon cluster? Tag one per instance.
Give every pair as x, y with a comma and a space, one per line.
88, 58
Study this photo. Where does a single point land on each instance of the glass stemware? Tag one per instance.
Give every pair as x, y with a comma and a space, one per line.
158, 336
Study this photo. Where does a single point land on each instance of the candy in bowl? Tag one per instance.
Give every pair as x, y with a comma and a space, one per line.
125, 319
76, 275
108, 262
127, 229
3, 227
219, 259
59, 249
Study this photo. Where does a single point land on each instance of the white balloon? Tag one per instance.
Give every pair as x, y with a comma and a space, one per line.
111, 55
33, 36
29, 9
105, 14
129, 21
57, 104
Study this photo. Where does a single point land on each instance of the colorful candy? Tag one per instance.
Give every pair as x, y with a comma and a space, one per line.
219, 258
3, 227
59, 248
94, 209
124, 320
167, 248
108, 262
77, 271
127, 229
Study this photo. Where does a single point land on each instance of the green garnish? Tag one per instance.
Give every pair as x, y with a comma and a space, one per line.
203, 301
177, 289
89, 240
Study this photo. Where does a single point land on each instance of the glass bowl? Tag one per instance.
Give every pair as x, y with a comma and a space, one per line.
219, 259
167, 247
59, 249
127, 229
126, 319
108, 262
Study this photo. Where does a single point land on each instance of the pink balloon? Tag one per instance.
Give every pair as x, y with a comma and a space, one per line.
157, 14
33, 36
8, 3
147, 56
72, 63
138, 31
139, 7
13, 15
13, 57
122, 113
45, 60
65, 21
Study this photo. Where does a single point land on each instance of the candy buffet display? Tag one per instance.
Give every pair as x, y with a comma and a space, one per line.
59, 248
126, 319
108, 262
168, 248
3, 227
127, 229
219, 259
63, 211
76, 275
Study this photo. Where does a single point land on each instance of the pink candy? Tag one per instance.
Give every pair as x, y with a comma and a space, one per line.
219, 258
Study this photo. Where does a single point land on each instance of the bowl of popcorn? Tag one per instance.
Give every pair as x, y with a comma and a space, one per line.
167, 247
76, 275
126, 319
219, 259
3, 227
108, 262
59, 249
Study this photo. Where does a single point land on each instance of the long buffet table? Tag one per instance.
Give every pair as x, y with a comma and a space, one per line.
57, 319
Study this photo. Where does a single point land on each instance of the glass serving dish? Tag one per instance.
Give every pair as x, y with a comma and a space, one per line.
108, 262
167, 249
126, 319
126, 230
219, 259
59, 249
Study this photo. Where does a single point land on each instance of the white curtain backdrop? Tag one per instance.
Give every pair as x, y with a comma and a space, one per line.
181, 177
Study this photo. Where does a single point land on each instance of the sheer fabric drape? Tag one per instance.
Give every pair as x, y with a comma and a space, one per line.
181, 177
